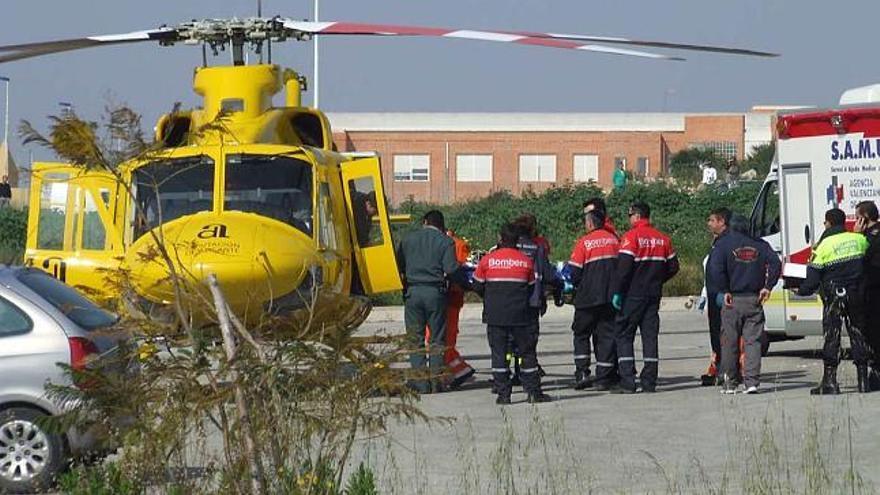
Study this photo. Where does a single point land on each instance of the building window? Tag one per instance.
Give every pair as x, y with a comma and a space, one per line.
586, 168
412, 168
724, 149
537, 168
473, 168
619, 161
643, 166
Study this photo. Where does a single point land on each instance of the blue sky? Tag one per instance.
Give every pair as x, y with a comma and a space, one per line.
825, 46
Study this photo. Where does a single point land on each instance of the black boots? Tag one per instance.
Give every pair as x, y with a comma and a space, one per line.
864, 379
582, 380
828, 386
874, 378
539, 397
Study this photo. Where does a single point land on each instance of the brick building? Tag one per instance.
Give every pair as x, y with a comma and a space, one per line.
448, 157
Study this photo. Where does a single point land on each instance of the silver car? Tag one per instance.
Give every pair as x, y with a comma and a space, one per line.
42, 322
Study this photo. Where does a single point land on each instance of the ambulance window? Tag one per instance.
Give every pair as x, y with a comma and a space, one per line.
169, 189
274, 186
93, 234
53, 207
366, 211
765, 219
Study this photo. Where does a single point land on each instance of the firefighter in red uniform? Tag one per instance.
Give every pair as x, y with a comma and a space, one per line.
646, 261
504, 278
597, 203
593, 263
456, 366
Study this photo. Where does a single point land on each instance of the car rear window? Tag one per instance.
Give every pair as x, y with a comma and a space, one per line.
13, 321
67, 300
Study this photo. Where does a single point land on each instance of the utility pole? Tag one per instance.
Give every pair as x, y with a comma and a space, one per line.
6, 114
315, 38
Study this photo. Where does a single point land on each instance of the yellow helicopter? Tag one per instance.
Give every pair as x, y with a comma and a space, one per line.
253, 193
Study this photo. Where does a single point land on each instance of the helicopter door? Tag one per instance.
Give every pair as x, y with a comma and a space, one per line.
369, 225
73, 213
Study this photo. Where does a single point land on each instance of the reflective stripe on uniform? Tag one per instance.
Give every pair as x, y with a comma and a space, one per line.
600, 258
500, 370
604, 364
625, 359
582, 356
651, 360
528, 370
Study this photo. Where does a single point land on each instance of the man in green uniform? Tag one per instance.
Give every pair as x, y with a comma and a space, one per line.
619, 178
835, 270
426, 259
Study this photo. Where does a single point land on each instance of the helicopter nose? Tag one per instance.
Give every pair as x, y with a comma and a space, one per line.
254, 259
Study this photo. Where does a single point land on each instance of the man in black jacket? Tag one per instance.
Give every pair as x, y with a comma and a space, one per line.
504, 279
718, 224
742, 271
5, 192
593, 262
868, 223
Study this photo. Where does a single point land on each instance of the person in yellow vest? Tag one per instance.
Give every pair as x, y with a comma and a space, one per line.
835, 271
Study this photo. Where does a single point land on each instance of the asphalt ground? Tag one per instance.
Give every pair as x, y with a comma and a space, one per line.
684, 439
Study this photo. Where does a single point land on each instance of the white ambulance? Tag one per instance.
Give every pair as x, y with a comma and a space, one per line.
824, 159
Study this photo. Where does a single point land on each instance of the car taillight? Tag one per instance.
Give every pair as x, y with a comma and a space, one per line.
81, 349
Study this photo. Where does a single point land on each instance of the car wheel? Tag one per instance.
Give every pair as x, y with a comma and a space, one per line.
30, 456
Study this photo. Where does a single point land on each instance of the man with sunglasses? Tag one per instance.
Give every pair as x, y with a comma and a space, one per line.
646, 261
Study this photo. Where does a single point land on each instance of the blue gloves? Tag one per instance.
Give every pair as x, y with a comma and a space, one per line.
719, 300
617, 301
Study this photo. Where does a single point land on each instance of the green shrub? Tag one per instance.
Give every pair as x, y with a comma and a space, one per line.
362, 482
105, 479
13, 232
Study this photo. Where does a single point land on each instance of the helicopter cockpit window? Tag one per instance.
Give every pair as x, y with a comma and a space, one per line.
169, 189
274, 186
308, 129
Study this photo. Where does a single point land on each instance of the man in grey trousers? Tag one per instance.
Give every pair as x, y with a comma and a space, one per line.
743, 271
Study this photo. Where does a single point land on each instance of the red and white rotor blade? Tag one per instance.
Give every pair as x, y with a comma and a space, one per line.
358, 29
553, 40
9, 53
655, 44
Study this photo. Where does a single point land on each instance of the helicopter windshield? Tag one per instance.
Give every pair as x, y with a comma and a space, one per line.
274, 186
169, 189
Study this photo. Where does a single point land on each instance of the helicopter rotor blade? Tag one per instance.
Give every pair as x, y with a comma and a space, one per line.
657, 44
345, 28
9, 53
583, 42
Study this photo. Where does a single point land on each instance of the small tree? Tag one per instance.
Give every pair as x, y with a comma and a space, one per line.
760, 159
